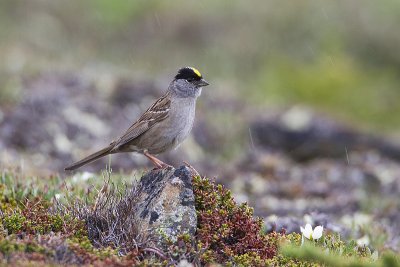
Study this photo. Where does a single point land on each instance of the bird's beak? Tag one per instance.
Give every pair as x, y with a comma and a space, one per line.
203, 82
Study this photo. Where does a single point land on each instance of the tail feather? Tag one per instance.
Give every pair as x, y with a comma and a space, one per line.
91, 158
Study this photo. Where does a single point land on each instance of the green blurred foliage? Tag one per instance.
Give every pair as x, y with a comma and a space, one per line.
340, 57
312, 255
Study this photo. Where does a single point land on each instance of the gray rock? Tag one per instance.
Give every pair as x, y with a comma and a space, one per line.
305, 136
151, 212
165, 207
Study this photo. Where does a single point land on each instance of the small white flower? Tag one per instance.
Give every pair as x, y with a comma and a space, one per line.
82, 177
184, 263
311, 234
363, 241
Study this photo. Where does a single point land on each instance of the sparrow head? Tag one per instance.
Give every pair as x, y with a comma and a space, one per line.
188, 83
191, 75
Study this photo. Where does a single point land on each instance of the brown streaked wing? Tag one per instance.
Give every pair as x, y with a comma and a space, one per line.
156, 113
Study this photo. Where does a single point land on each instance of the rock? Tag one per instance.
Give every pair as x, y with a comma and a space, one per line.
157, 209
306, 136
165, 207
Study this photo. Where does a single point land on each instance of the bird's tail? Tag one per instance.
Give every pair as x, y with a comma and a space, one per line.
91, 158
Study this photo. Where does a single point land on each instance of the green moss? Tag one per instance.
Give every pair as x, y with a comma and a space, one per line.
247, 259
74, 227
14, 223
281, 260
13, 244
56, 222
7, 247
7, 201
33, 218
84, 244
316, 255
293, 238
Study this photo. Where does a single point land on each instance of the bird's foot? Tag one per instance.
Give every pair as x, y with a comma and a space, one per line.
158, 163
161, 166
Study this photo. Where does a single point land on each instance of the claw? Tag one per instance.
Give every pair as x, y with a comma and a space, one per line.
159, 164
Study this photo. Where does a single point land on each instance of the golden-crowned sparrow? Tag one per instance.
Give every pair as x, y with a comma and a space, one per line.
163, 126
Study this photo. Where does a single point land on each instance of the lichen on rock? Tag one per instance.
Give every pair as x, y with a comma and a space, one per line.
165, 207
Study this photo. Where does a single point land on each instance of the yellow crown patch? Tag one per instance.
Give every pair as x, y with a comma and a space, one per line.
196, 71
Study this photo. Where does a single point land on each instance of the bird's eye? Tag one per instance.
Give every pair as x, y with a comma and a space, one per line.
190, 79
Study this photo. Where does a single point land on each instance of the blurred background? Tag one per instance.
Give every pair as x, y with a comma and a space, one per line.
302, 115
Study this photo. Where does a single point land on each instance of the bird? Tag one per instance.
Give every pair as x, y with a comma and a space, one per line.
163, 126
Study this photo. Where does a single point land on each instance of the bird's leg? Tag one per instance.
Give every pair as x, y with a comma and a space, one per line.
159, 164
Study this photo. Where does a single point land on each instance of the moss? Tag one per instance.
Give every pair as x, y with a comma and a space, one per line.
281, 260
7, 247
84, 244
33, 218
100, 256
75, 227
227, 232
13, 244
247, 259
14, 223
7, 201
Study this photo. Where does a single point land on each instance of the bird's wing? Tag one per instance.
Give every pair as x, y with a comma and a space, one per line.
157, 112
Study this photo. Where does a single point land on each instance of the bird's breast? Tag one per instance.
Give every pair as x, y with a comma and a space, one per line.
171, 132
181, 117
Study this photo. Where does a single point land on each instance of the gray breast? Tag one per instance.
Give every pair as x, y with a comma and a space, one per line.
182, 117
172, 131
